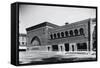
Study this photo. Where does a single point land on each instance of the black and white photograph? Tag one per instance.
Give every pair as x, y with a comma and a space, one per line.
56, 34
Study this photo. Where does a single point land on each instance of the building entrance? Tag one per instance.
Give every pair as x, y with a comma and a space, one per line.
66, 47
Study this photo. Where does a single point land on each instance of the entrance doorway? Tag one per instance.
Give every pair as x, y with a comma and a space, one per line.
66, 47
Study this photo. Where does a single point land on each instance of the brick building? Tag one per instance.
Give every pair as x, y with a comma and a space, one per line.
77, 36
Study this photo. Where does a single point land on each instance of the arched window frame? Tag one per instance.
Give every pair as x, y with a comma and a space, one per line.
35, 37
76, 32
62, 34
66, 33
58, 35
81, 30
71, 33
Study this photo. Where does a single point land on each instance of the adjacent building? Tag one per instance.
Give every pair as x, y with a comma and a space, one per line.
22, 42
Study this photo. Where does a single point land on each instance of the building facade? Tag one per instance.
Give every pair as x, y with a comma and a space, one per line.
78, 36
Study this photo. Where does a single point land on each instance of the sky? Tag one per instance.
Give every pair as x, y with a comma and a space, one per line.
30, 15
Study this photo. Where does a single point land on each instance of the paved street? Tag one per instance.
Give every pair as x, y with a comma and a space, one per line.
37, 56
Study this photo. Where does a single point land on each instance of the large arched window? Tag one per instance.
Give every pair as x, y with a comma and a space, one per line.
66, 33
81, 31
58, 34
62, 34
35, 41
71, 33
76, 32
55, 36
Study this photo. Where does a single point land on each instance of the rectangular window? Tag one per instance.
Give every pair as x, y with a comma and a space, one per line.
82, 47
54, 47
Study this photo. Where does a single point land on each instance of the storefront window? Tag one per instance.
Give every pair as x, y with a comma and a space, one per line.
66, 46
81, 46
54, 47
